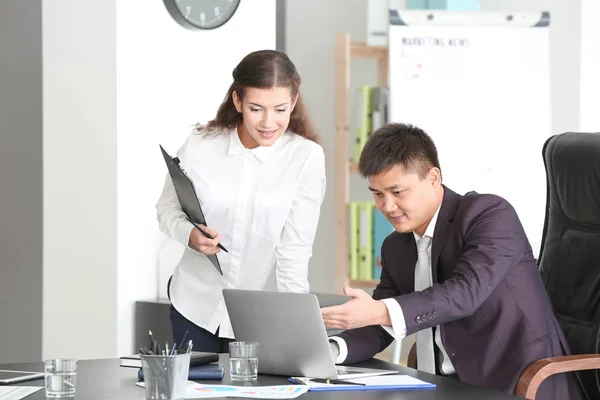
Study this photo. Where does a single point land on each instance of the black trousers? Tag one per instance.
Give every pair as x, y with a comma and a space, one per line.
202, 339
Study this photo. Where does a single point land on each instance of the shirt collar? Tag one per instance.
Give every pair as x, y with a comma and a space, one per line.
263, 153
431, 227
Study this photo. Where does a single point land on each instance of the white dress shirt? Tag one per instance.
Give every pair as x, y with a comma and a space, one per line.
264, 203
398, 328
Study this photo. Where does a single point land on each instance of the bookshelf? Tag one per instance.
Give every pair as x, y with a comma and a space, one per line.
345, 51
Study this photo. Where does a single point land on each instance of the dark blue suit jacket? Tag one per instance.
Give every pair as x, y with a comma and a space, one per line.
487, 298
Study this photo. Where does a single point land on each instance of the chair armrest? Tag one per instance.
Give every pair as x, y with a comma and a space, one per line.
411, 361
535, 374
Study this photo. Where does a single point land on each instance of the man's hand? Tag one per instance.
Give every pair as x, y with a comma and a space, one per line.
357, 312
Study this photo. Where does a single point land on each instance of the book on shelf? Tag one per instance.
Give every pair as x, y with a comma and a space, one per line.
365, 240
372, 112
353, 249
379, 110
364, 123
382, 228
368, 230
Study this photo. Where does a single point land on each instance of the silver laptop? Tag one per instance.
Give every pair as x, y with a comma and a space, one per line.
290, 332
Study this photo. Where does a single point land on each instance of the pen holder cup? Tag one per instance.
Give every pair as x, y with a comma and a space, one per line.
165, 377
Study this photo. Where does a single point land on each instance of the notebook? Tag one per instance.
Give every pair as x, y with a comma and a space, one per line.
382, 382
8, 377
199, 372
17, 392
197, 358
188, 199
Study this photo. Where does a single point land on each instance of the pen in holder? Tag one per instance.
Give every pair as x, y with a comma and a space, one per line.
165, 377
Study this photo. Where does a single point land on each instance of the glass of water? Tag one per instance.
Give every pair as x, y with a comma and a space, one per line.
243, 361
59, 376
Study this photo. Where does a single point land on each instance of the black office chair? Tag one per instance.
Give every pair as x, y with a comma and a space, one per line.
570, 258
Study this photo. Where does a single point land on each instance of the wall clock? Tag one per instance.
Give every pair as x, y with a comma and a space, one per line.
201, 14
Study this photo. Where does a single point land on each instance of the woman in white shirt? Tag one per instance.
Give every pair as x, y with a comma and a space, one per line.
259, 173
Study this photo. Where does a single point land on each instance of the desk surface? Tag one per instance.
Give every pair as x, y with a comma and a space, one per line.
104, 379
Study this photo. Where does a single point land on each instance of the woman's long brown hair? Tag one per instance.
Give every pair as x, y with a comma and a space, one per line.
263, 69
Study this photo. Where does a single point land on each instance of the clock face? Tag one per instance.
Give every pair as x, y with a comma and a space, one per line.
201, 14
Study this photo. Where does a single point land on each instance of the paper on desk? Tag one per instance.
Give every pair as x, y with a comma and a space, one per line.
17, 392
393, 381
383, 380
198, 391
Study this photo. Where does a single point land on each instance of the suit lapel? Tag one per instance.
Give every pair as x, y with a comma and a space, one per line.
440, 234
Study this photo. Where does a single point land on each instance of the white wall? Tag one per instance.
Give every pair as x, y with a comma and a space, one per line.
312, 50
80, 171
590, 65
116, 84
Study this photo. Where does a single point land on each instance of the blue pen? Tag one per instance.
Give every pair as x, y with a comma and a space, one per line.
335, 382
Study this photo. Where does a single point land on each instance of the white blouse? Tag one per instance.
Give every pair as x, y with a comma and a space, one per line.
265, 204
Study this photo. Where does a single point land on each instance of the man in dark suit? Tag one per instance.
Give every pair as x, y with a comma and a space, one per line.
458, 271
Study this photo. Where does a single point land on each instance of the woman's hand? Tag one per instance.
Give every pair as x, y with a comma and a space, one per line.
201, 243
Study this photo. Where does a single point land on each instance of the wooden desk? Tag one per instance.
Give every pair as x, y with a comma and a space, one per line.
105, 380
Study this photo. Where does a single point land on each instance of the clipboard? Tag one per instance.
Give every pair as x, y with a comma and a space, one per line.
184, 187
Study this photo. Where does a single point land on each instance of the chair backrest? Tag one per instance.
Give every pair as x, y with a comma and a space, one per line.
570, 254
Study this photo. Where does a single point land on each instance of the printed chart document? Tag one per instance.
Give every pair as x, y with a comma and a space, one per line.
198, 391
17, 392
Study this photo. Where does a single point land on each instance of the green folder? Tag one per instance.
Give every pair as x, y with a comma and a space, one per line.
364, 123
353, 255
365, 241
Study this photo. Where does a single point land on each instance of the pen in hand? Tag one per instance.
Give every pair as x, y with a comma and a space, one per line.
207, 235
335, 382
